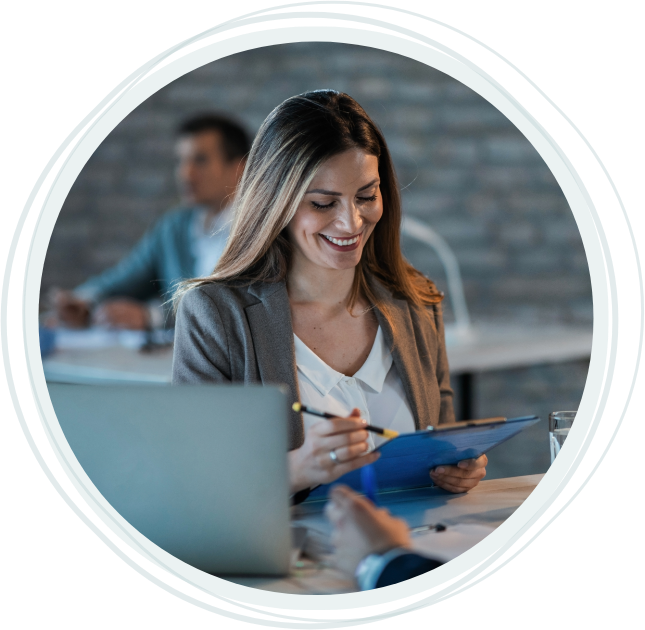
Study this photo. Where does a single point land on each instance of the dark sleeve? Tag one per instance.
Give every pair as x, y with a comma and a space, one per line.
135, 276
404, 567
201, 353
447, 411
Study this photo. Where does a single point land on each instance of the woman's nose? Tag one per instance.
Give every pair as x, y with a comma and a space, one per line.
350, 218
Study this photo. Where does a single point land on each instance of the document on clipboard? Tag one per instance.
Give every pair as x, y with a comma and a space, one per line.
405, 461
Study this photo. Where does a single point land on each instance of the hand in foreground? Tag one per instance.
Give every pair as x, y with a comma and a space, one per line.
69, 309
122, 313
331, 449
462, 477
360, 528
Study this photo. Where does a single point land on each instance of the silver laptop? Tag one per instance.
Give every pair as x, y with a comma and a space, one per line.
201, 471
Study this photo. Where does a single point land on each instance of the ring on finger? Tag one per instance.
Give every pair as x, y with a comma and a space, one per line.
333, 456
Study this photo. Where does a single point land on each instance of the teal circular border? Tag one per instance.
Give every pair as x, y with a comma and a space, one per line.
130, 93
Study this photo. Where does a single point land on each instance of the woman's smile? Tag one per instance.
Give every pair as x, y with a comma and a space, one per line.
343, 243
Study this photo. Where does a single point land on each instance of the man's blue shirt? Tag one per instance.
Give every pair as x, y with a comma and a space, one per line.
159, 261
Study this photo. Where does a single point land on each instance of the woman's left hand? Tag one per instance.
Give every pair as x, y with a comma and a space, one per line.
462, 477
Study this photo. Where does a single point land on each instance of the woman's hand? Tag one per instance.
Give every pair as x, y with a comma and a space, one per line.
462, 477
360, 528
331, 449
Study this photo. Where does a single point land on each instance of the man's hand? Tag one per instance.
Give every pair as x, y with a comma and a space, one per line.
360, 528
121, 313
69, 309
462, 477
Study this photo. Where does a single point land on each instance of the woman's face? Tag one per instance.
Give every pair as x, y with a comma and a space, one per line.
339, 211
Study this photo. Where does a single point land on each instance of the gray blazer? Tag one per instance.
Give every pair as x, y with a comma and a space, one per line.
243, 334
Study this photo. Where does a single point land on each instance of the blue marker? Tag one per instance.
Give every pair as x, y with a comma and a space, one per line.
368, 482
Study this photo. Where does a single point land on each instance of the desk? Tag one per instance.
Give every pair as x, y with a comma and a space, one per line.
482, 347
489, 504
116, 365
489, 346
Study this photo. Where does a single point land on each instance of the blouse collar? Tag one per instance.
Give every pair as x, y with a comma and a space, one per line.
324, 378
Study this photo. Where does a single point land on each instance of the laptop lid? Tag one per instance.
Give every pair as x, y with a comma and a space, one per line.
199, 470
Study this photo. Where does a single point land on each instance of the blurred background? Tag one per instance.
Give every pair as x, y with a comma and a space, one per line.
464, 169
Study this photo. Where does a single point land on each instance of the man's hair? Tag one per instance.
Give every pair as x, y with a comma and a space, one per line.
235, 141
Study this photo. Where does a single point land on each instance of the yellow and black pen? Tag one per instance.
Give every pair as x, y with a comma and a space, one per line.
388, 433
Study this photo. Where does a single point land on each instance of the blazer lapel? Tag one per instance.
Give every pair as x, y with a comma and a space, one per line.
272, 333
401, 339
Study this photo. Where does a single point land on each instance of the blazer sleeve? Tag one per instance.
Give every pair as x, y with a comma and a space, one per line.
447, 411
404, 567
135, 276
201, 350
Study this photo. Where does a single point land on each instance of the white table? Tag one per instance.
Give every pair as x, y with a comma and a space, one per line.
488, 346
109, 365
489, 504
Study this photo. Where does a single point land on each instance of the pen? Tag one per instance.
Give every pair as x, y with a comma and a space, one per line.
388, 433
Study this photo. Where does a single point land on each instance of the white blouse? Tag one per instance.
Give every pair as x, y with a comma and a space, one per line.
376, 389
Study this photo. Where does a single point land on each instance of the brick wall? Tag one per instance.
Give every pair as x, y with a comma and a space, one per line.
464, 167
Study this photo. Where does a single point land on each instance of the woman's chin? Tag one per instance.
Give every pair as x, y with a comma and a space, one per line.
331, 260
343, 262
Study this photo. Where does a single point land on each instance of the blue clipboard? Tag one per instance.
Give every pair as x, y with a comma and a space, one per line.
405, 462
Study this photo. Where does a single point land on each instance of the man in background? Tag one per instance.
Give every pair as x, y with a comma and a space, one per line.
184, 243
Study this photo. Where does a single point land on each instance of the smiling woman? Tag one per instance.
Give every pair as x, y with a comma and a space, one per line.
312, 291
334, 220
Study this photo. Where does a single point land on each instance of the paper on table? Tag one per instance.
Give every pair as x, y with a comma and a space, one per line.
450, 543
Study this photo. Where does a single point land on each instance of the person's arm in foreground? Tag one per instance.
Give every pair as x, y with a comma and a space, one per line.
370, 543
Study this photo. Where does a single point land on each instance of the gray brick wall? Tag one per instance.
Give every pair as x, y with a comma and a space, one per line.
464, 168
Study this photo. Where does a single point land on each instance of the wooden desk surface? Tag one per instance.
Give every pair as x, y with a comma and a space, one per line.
489, 504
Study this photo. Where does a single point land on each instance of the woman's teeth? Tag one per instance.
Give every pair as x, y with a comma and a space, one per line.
341, 241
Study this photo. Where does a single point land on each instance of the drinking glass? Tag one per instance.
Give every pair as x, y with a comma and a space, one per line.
559, 424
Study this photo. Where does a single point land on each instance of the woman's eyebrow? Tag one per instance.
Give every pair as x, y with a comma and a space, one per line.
322, 191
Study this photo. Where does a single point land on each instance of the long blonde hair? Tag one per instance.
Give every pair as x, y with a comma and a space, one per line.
292, 143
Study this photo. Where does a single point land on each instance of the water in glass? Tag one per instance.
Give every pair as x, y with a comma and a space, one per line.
560, 423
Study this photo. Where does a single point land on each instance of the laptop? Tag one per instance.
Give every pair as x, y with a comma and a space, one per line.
199, 470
